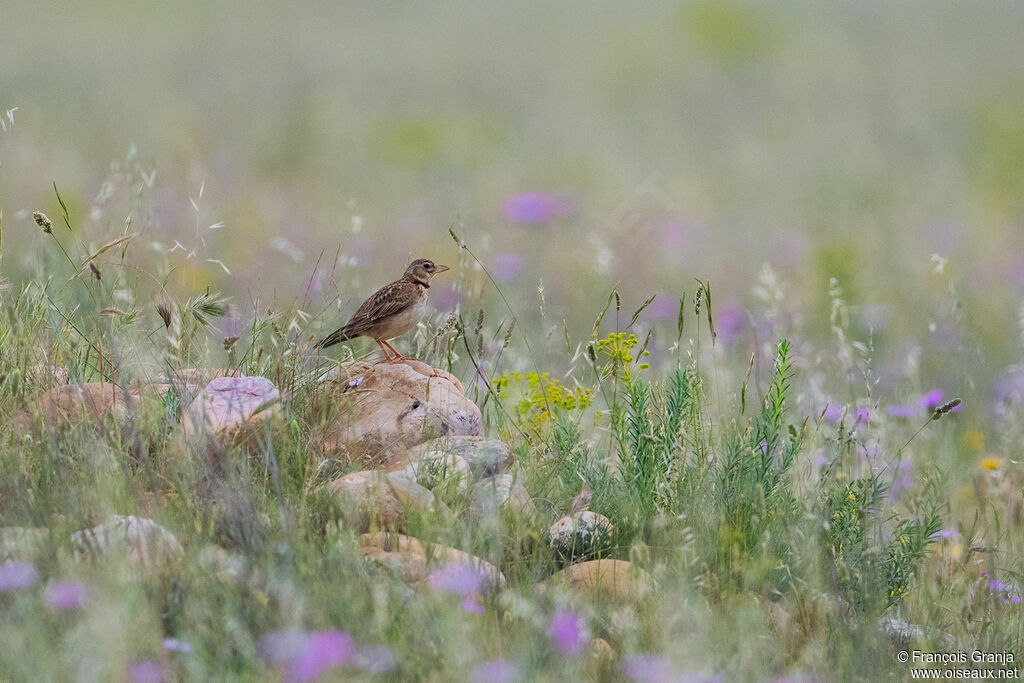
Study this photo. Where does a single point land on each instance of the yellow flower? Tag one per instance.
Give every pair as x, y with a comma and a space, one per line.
852, 497
991, 463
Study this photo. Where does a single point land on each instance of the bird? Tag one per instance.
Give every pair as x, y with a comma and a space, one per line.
391, 311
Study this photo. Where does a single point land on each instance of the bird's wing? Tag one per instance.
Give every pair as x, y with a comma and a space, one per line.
387, 301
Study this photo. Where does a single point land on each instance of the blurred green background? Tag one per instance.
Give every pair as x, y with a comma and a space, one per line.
667, 141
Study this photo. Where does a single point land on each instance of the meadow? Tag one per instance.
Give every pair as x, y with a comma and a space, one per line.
745, 282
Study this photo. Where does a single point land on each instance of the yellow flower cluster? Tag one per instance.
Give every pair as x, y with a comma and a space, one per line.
539, 395
618, 349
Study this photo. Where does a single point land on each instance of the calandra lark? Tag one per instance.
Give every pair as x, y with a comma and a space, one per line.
392, 311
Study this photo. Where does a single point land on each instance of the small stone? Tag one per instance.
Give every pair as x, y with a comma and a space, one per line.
607, 579
501, 492
432, 554
439, 470
70, 404
146, 544
580, 534
228, 409
485, 457
600, 655
380, 499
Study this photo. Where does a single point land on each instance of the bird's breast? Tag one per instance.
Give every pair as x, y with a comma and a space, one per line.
402, 322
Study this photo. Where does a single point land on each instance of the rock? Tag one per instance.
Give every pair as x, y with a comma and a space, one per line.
381, 499
22, 543
71, 404
373, 545
228, 410
439, 470
600, 656
408, 567
579, 534
485, 457
371, 412
608, 579
501, 492
146, 544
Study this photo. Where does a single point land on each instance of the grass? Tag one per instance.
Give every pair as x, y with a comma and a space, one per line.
780, 541
772, 442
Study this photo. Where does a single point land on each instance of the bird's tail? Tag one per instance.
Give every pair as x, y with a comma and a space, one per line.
336, 337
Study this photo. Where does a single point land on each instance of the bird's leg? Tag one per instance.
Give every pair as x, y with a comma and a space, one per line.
398, 357
387, 358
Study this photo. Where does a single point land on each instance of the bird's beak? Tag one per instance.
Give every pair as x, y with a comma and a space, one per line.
440, 269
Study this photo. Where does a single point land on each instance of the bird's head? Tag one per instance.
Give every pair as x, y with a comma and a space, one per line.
422, 269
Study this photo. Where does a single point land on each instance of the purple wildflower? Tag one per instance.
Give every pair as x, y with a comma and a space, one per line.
664, 307
931, 399
460, 579
946, 533
676, 235
304, 655
146, 672
730, 322
323, 650
532, 207
863, 416
506, 266
444, 299
833, 412
568, 632
499, 671
17, 576
650, 668
66, 595
471, 605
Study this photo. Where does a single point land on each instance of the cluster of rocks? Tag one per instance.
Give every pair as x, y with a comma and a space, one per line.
409, 426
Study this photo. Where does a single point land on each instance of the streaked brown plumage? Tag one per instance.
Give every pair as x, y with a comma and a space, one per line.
391, 311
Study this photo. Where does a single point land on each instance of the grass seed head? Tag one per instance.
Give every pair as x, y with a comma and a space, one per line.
43, 222
945, 408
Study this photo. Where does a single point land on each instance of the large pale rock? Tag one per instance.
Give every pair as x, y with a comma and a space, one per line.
381, 499
369, 413
580, 533
485, 457
70, 404
392, 547
493, 495
146, 544
605, 579
228, 410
